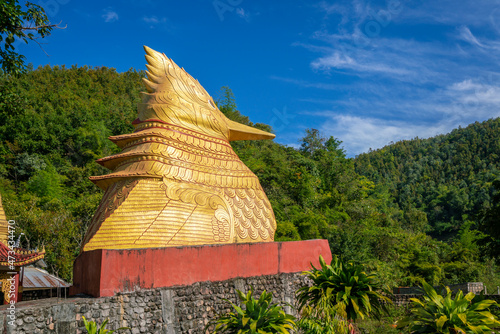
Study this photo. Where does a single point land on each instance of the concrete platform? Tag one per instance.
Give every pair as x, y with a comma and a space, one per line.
104, 272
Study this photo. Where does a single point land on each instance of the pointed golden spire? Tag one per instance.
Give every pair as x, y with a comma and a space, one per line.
177, 180
4, 230
174, 96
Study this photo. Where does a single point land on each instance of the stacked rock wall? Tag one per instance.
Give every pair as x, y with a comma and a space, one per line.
181, 309
184, 309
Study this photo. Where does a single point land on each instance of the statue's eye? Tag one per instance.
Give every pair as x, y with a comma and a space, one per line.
200, 94
211, 104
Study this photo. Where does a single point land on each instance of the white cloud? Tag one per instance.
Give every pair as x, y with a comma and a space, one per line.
162, 23
478, 13
154, 21
477, 92
467, 36
393, 86
394, 58
307, 84
494, 19
110, 16
339, 60
492, 46
463, 85
331, 8
356, 50
151, 19
241, 13
385, 114
359, 134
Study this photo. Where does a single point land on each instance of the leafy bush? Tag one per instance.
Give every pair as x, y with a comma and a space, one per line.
343, 289
387, 324
91, 327
322, 321
257, 316
442, 314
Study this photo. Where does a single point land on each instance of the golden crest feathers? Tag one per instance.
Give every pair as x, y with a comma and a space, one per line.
177, 180
162, 69
177, 98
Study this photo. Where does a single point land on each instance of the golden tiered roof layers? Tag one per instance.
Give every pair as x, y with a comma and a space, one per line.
4, 224
21, 256
177, 180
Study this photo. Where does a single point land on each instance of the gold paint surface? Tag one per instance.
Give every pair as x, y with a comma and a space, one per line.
177, 180
4, 225
4, 280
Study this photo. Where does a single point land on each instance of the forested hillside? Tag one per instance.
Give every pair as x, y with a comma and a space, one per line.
54, 124
448, 177
375, 209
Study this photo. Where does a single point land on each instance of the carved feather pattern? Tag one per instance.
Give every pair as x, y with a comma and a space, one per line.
112, 199
176, 97
175, 214
177, 180
253, 215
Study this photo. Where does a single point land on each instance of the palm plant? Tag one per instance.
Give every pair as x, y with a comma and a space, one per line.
442, 314
91, 327
258, 316
342, 289
322, 320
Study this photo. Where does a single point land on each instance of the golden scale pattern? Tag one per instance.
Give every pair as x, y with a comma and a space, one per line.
177, 180
4, 229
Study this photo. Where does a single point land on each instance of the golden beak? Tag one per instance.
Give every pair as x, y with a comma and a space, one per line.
239, 131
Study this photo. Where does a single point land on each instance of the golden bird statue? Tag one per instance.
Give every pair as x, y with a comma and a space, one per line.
177, 180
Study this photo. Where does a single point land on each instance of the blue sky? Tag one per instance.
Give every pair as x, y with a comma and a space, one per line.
365, 72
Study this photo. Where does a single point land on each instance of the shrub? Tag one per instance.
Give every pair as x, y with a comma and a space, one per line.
257, 316
442, 314
343, 289
91, 327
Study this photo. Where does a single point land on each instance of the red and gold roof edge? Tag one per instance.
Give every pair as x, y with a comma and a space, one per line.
27, 256
24, 262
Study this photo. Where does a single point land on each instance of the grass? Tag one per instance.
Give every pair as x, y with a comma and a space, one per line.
386, 325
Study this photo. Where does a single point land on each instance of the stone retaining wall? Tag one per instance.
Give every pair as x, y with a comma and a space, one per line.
474, 287
182, 309
404, 299
185, 309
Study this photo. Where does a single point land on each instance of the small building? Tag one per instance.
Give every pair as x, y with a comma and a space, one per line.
39, 284
13, 260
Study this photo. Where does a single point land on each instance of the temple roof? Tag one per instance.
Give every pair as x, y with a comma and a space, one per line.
22, 256
3, 224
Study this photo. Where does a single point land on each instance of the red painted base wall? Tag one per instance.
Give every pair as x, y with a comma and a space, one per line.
104, 272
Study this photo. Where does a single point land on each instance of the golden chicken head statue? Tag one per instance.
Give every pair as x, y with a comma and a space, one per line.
177, 180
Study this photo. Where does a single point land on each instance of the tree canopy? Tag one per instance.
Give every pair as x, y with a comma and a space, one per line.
411, 211
27, 24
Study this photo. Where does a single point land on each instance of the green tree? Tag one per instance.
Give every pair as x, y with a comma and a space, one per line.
443, 314
92, 328
54, 123
26, 24
256, 316
490, 223
312, 142
227, 105
447, 177
47, 184
342, 289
